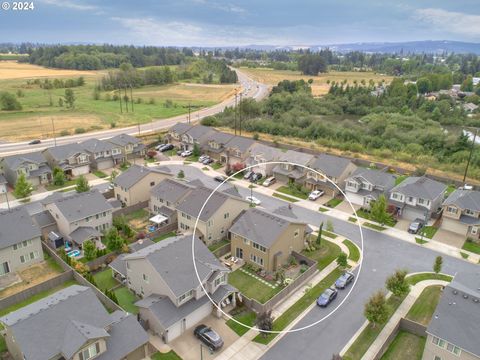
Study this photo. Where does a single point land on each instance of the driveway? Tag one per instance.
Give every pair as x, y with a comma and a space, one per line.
402, 224
346, 208
449, 237
187, 346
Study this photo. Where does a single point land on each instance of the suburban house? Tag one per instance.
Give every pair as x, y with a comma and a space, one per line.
3, 184
20, 243
195, 135
220, 209
291, 170
133, 185
103, 154
175, 133
461, 213
216, 144
259, 155
130, 146
71, 158
164, 275
365, 185
266, 239
453, 330
33, 165
237, 150
72, 324
417, 197
336, 168
81, 217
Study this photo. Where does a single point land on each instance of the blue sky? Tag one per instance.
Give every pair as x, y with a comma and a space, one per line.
241, 22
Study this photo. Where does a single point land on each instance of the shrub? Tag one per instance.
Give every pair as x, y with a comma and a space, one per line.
80, 131
64, 133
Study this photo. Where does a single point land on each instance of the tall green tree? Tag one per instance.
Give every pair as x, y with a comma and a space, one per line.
89, 250
378, 210
23, 188
9, 102
319, 236
264, 321
113, 239
82, 184
70, 98
437, 265
398, 284
59, 178
376, 309
342, 260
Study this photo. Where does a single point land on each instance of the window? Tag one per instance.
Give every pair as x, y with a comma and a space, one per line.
439, 342
256, 259
469, 212
185, 296
297, 232
33, 255
4, 268
226, 215
23, 259
452, 210
152, 183
145, 278
245, 241
453, 349
90, 352
259, 247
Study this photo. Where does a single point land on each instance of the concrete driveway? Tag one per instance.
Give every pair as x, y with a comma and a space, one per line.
345, 207
402, 224
187, 346
450, 238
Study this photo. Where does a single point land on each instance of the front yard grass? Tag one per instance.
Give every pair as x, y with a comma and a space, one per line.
164, 236
352, 219
105, 280
289, 190
216, 165
333, 202
424, 307
246, 317
100, 174
374, 226
329, 234
251, 287
354, 251
429, 231
327, 253
420, 241
322, 209
126, 300
52, 186
171, 355
284, 197
405, 346
471, 246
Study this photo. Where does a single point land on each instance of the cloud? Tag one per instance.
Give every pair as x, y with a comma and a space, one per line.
450, 21
227, 7
69, 4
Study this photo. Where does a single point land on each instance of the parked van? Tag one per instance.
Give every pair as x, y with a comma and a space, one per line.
271, 180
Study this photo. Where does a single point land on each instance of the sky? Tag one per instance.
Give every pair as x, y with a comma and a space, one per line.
241, 22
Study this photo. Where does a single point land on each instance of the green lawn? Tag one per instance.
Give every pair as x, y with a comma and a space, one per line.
405, 346
420, 241
400, 179
301, 305
126, 299
251, 287
137, 214
451, 188
374, 226
218, 245
3, 345
284, 197
429, 231
52, 187
424, 307
322, 209
216, 165
471, 246
352, 219
171, 355
100, 174
52, 263
289, 190
104, 279
329, 234
464, 255
333, 202
352, 249
246, 317
327, 253
414, 279
164, 236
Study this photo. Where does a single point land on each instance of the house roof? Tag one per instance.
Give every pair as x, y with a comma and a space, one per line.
96, 145
420, 187
172, 259
171, 190
330, 165
123, 140
375, 177
83, 233
200, 132
62, 152
140, 244
296, 157
135, 173
220, 137
43, 219
14, 161
180, 128
464, 199
240, 143
16, 225
119, 265
253, 223
80, 205
268, 153
457, 315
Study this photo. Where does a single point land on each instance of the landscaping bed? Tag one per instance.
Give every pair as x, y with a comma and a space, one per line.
374, 226
327, 253
354, 251
471, 246
366, 215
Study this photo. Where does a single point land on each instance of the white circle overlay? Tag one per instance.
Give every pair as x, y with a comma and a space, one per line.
293, 329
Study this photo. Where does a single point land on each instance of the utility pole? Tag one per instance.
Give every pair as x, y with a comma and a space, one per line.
54, 137
235, 112
138, 125
240, 115
131, 95
470, 156
120, 98
189, 113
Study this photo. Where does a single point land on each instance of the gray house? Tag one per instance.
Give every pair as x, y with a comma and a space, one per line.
72, 324
33, 165
260, 154
198, 134
461, 213
366, 185
237, 150
20, 243
417, 197
290, 171
453, 331
103, 154
130, 146
173, 301
71, 158
216, 144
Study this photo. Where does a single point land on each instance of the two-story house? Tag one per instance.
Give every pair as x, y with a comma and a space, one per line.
81, 217
293, 168
71, 158
218, 210
130, 146
366, 185
164, 275
133, 185
417, 197
103, 154
196, 135
335, 168
260, 155
33, 165
20, 241
72, 324
266, 239
453, 330
461, 213
215, 146
237, 150
175, 133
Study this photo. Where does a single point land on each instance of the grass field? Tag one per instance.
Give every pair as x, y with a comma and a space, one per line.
319, 85
424, 307
405, 346
35, 119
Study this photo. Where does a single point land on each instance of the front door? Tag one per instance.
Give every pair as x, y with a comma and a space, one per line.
184, 325
239, 253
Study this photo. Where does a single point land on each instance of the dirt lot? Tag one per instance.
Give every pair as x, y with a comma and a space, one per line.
15, 70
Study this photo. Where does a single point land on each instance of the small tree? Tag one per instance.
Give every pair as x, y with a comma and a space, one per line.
181, 174
330, 226
82, 185
70, 98
319, 236
437, 265
342, 259
376, 309
113, 175
113, 239
264, 322
398, 284
23, 188
59, 178
378, 210
196, 150
89, 250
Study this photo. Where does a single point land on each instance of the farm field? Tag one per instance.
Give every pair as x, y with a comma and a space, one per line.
40, 107
319, 85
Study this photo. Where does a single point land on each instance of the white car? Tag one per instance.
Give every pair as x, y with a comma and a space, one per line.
253, 200
314, 195
186, 153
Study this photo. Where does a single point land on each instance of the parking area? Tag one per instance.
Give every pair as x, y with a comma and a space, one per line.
188, 346
449, 238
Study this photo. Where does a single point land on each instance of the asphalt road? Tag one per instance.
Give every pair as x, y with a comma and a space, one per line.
257, 91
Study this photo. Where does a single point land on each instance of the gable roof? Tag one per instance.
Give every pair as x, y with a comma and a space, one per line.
83, 233
330, 165
180, 128
171, 190
375, 177
14, 161
241, 143
16, 225
220, 137
269, 153
96, 145
135, 173
296, 157
124, 139
172, 259
464, 199
80, 205
62, 152
420, 187
200, 132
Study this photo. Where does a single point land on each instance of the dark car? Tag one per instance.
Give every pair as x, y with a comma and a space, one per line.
327, 297
166, 147
415, 226
248, 175
345, 279
209, 337
255, 177
207, 161
34, 142
220, 178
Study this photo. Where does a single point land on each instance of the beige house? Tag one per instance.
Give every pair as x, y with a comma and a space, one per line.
215, 147
175, 133
71, 158
260, 155
130, 146
266, 239
33, 165
237, 150
133, 186
461, 213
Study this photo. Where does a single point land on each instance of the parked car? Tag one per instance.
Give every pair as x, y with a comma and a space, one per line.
314, 195
209, 337
220, 178
34, 142
253, 200
186, 153
165, 147
202, 157
327, 297
415, 226
345, 279
207, 161
255, 177
269, 181
248, 175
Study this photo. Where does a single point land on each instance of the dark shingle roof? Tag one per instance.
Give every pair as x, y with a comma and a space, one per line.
96, 145
14, 161
420, 187
296, 157
171, 190
124, 139
180, 128
269, 153
62, 152
376, 177
44, 218
135, 173
83, 233
200, 132
330, 165
220, 137
240, 143
192, 204
464, 199
16, 225
79, 206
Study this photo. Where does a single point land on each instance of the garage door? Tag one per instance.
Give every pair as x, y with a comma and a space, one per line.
412, 213
454, 226
102, 165
82, 170
355, 198
192, 319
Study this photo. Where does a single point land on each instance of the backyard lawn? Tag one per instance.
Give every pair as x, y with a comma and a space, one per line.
251, 287
126, 299
164, 236
424, 307
105, 280
327, 253
218, 245
405, 346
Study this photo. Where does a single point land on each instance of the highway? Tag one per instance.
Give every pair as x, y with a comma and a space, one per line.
257, 91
